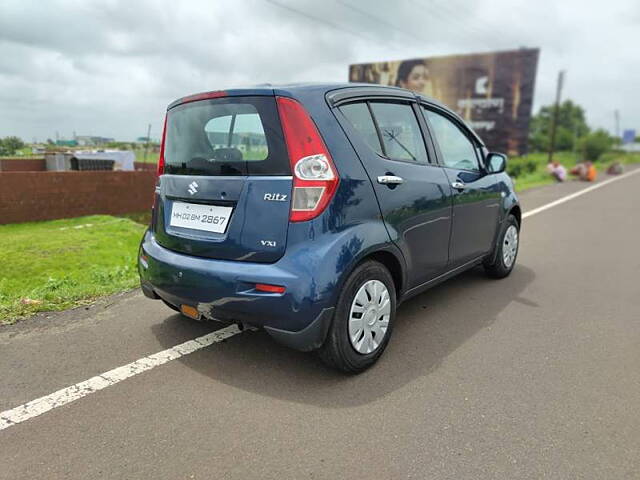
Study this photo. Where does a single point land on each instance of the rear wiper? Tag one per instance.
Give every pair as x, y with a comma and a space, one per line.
393, 137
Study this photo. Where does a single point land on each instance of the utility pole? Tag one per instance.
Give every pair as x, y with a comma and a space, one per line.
616, 114
146, 147
575, 138
554, 124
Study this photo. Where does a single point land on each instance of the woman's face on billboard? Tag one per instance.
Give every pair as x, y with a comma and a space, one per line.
417, 79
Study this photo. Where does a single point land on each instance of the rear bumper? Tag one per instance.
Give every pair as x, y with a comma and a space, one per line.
225, 290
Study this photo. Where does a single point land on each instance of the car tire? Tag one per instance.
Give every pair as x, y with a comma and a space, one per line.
368, 292
504, 256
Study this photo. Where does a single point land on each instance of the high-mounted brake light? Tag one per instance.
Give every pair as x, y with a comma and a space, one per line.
199, 96
315, 178
161, 157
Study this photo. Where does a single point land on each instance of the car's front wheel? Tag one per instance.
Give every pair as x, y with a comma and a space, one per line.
363, 319
503, 259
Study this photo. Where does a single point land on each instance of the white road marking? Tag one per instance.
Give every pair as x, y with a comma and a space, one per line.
577, 194
70, 394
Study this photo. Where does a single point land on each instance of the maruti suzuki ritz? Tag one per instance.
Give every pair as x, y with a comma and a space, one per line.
312, 211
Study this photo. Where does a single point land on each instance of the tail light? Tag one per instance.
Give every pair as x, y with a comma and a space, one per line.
161, 157
315, 178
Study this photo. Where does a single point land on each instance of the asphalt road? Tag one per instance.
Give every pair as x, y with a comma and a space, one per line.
534, 376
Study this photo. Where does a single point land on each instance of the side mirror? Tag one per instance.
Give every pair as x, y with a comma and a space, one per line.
495, 162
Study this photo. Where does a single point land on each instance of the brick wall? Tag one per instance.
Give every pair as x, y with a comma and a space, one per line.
38, 164
21, 164
29, 196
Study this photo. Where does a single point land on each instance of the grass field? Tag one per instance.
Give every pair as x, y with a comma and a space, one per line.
533, 167
59, 264
23, 152
152, 157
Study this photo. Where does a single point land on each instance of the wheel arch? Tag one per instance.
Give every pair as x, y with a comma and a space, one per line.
511, 207
516, 212
391, 262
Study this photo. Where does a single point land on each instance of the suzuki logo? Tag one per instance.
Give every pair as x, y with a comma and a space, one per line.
193, 188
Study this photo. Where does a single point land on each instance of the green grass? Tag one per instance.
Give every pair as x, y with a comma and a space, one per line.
60, 264
152, 157
143, 218
537, 163
22, 153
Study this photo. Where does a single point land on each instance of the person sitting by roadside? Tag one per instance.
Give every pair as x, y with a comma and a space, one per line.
615, 168
585, 171
557, 171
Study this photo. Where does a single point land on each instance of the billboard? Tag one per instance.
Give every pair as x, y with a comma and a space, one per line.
493, 92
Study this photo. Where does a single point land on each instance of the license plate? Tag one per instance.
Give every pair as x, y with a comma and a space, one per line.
210, 218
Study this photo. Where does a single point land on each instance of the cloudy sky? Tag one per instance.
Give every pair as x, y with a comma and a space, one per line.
110, 67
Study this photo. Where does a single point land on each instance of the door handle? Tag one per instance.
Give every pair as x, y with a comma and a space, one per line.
458, 185
390, 180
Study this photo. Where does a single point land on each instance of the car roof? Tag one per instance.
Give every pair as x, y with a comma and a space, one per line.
329, 87
332, 89
295, 89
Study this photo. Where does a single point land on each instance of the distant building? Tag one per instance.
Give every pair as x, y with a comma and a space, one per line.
66, 143
90, 141
245, 142
90, 160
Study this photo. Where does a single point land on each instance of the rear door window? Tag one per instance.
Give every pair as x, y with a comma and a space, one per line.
392, 132
226, 137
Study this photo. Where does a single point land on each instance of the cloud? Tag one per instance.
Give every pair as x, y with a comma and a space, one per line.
111, 67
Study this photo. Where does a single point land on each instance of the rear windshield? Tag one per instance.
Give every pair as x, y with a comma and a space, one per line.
225, 137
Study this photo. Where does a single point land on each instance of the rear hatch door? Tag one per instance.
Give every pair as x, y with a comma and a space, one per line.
226, 185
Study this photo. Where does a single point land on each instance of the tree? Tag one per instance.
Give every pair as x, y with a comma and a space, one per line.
595, 144
9, 145
572, 125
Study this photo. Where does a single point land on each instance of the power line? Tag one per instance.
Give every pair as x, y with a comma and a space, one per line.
381, 21
405, 31
318, 19
447, 16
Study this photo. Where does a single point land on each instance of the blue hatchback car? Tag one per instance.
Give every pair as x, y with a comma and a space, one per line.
312, 211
